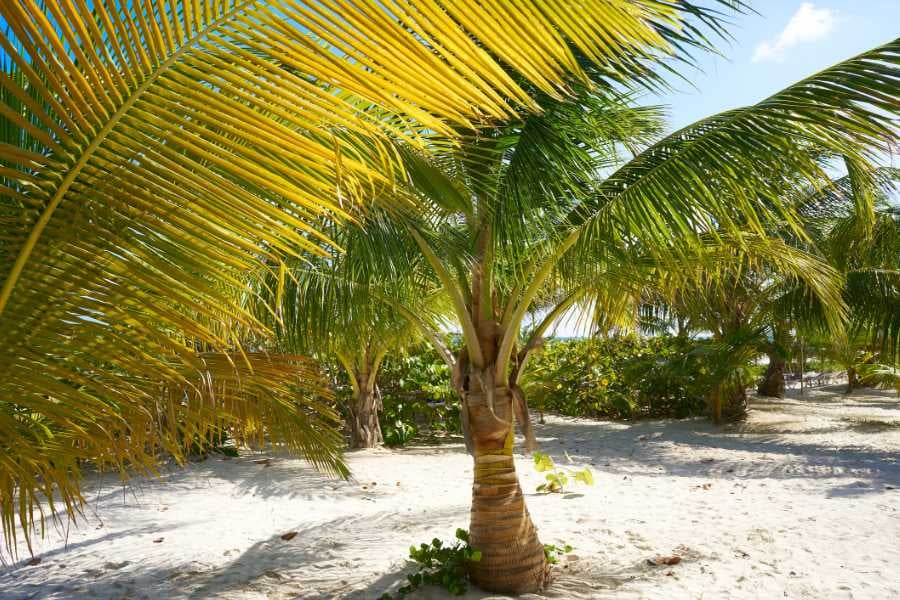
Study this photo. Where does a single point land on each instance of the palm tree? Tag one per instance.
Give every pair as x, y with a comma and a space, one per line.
156, 152
522, 218
858, 230
325, 306
750, 299
846, 222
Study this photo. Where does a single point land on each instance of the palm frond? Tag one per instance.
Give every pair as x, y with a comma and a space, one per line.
120, 422
733, 171
156, 152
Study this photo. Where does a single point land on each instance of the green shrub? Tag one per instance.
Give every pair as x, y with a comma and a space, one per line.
621, 377
416, 396
557, 478
554, 552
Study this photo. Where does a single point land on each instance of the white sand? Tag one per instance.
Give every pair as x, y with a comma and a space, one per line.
802, 501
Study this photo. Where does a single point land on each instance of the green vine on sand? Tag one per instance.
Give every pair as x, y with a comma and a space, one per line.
441, 565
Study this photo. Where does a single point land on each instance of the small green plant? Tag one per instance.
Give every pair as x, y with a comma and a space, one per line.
396, 426
554, 552
558, 477
439, 564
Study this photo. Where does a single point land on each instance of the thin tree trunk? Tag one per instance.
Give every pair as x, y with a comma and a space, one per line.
365, 430
717, 409
772, 384
513, 558
681, 330
852, 380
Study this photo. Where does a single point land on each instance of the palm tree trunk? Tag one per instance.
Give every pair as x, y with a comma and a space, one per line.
365, 430
772, 383
513, 558
852, 380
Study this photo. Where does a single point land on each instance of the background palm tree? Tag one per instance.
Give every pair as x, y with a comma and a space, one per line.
857, 228
749, 298
356, 305
768, 306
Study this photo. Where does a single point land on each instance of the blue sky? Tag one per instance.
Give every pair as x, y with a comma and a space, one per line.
786, 42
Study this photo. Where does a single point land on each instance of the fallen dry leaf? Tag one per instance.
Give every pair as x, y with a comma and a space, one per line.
34, 561
665, 560
289, 536
264, 461
158, 540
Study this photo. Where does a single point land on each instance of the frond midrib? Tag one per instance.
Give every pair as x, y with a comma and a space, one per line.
42, 222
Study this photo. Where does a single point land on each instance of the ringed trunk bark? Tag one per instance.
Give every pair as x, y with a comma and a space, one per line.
513, 558
365, 430
772, 384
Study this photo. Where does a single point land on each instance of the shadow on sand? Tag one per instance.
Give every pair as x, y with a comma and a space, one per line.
323, 561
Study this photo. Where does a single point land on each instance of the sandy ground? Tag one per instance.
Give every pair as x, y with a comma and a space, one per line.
802, 501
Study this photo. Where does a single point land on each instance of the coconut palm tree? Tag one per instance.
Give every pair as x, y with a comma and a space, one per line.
843, 219
524, 218
164, 150
156, 152
750, 300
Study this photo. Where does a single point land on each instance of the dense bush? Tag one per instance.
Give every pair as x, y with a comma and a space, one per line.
618, 377
416, 396
622, 377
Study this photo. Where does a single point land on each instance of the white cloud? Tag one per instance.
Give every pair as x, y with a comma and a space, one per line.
808, 24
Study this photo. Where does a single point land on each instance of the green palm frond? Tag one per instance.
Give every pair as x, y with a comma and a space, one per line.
883, 376
854, 223
733, 171
874, 297
348, 301
753, 280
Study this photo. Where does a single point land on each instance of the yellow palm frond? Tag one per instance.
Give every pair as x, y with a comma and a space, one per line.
153, 152
121, 422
